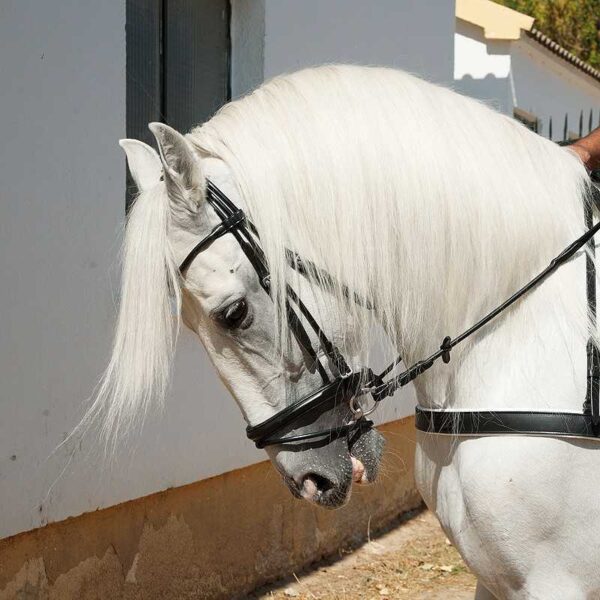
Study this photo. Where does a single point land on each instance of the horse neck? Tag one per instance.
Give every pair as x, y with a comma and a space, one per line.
533, 356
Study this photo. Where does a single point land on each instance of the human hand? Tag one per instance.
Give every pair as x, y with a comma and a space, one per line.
583, 154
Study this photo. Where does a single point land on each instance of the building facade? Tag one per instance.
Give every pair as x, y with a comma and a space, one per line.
500, 58
189, 508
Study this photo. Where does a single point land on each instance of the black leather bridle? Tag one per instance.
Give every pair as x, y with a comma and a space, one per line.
346, 385
343, 384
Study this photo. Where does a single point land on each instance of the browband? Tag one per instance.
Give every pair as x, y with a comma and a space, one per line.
226, 225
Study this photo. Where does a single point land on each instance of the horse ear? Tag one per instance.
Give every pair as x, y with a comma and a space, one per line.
144, 164
181, 167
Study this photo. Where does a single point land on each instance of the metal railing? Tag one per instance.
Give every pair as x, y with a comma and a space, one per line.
571, 136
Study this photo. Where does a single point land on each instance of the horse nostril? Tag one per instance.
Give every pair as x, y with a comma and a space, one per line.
321, 483
322, 490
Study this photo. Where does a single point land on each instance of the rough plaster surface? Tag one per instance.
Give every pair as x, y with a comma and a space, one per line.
61, 213
217, 538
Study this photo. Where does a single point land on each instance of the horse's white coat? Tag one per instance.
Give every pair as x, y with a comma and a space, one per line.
438, 209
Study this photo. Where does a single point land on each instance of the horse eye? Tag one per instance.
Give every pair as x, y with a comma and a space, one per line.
234, 314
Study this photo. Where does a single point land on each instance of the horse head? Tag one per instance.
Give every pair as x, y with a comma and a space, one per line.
223, 303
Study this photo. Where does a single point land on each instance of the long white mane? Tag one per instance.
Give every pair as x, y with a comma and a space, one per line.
138, 373
429, 203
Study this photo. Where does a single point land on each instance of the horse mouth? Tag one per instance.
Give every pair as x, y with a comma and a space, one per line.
365, 454
359, 473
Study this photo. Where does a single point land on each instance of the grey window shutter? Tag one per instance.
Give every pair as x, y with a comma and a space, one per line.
178, 64
196, 60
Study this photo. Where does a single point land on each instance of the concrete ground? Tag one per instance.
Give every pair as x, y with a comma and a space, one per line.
412, 560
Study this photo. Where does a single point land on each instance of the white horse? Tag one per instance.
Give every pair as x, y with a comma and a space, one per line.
435, 207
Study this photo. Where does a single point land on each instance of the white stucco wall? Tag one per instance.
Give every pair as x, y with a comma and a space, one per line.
526, 75
482, 67
271, 37
62, 99
61, 212
546, 85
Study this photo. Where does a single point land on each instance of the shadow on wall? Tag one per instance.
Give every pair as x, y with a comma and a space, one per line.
494, 91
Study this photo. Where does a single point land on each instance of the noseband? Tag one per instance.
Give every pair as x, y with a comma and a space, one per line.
345, 385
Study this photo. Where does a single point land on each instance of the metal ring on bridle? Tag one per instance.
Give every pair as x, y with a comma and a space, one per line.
357, 409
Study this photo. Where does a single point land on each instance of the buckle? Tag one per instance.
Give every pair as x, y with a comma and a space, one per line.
445, 348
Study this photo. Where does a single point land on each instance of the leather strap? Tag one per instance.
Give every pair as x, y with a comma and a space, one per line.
233, 221
317, 403
486, 422
227, 224
389, 387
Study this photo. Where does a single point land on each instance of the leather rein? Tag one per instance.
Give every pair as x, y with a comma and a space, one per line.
343, 384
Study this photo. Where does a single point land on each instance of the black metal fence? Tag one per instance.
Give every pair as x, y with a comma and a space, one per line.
567, 135
584, 125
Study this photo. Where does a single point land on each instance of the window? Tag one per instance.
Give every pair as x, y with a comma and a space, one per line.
178, 55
